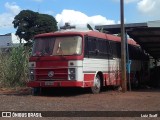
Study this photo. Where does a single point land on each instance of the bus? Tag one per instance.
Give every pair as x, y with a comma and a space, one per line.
85, 59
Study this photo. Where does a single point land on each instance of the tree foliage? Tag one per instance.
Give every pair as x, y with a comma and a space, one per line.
29, 23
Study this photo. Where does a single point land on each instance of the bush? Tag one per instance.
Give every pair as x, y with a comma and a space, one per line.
14, 67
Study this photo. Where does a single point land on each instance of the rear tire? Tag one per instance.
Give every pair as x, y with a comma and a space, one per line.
97, 85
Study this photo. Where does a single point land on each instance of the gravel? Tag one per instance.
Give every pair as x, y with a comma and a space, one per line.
80, 100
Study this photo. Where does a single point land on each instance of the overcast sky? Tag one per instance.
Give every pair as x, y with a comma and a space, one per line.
80, 12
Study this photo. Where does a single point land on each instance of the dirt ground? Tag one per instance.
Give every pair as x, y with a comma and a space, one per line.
80, 100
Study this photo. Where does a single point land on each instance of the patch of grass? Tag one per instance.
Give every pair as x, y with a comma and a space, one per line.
14, 67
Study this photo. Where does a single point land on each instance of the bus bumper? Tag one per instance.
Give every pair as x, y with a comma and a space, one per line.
56, 84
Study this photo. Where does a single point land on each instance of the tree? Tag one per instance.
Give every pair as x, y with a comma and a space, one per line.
29, 23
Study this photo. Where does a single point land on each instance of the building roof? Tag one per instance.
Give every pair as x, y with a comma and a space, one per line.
145, 34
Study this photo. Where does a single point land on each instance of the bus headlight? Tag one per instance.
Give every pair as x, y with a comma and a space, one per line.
31, 77
72, 74
31, 74
72, 70
72, 77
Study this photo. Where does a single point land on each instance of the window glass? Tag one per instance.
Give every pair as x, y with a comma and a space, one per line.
70, 45
92, 44
43, 46
97, 48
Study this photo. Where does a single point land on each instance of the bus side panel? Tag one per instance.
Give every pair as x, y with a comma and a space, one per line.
109, 69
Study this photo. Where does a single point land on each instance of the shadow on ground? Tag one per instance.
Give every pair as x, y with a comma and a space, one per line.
68, 92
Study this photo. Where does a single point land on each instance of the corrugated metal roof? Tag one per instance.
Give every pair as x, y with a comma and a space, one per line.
145, 34
148, 38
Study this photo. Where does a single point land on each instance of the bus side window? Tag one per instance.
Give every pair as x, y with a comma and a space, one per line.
86, 47
102, 47
118, 44
112, 50
131, 53
92, 47
116, 49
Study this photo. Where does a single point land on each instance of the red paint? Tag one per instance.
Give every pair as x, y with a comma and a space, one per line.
59, 64
55, 84
89, 77
89, 33
88, 84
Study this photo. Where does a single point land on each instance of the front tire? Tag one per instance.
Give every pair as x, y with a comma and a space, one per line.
35, 91
97, 85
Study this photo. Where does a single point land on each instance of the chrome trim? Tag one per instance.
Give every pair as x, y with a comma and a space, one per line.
54, 74
53, 68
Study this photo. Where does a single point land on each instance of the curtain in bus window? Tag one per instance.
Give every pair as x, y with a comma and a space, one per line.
48, 46
68, 45
43, 46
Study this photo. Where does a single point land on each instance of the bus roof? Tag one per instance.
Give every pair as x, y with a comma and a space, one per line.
88, 33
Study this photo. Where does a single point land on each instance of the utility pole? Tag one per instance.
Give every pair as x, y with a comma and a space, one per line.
123, 49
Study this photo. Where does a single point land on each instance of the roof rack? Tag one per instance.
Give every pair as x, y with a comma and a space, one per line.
67, 26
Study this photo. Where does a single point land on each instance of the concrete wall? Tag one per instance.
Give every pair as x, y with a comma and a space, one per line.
5, 40
8, 40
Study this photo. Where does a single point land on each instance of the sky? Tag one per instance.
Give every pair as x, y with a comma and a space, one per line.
80, 12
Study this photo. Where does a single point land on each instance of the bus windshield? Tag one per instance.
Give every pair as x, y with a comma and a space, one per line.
53, 46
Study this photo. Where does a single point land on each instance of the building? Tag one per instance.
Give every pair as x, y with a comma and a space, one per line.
9, 40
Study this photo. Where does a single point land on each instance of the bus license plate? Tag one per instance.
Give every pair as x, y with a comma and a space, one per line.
48, 83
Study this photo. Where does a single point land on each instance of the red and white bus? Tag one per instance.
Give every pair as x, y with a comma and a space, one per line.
83, 59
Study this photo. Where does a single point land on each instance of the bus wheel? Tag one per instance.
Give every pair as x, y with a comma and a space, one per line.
35, 91
97, 85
